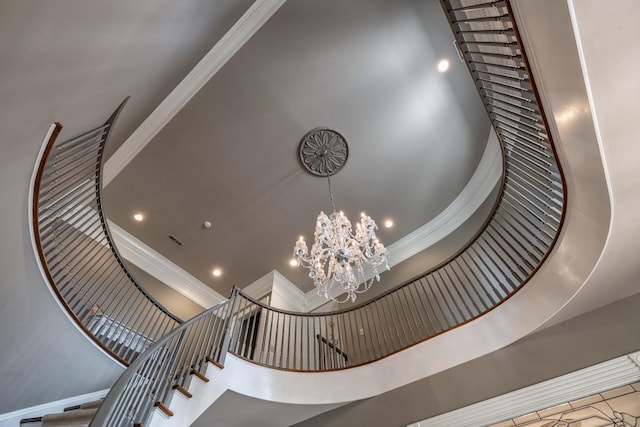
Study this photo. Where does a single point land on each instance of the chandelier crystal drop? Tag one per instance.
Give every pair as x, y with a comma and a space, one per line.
338, 256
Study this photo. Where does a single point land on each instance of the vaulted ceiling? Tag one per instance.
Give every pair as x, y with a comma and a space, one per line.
366, 68
76, 61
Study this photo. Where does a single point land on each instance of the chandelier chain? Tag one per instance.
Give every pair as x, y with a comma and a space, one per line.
333, 202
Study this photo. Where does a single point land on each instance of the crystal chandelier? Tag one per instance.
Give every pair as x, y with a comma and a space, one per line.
338, 255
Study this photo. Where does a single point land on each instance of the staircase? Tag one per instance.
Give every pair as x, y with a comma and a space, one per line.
170, 362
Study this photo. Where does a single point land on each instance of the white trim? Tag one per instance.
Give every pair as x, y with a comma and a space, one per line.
162, 269
12, 419
592, 104
476, 191
260, 287
576, 385
286, 295
259, 12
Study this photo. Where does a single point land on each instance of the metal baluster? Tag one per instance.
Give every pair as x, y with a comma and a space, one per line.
105, 270
309, 330
405, 338
420, 310
412, 312
501, 272
436, 318
392, 323
373, 335
253, 333
242, 327
482, 298
130, 323
266, 325
289, 355
434, 300
151, 322
270, 342
462, 309
281, 340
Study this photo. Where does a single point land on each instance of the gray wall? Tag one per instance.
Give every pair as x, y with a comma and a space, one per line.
73, 62
586, 340
43, 357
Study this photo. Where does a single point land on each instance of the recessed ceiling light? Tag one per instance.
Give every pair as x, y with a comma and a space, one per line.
388, 223
443, 65
138, 217
294, 262
217, 272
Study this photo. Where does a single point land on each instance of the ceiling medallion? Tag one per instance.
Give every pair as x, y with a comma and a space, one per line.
337, 257
323, 152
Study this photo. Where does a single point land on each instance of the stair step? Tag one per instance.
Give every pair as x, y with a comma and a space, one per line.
182, 390
213, 362
73, 418
199, 375
31, 422
86, 405
92, 404
163, 408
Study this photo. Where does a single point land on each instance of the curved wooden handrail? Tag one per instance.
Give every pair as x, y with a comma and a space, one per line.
75, 248
504, 255
501, 258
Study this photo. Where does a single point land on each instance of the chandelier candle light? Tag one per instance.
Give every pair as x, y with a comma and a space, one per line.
337, 257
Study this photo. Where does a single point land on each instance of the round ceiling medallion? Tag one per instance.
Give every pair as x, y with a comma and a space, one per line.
323, 152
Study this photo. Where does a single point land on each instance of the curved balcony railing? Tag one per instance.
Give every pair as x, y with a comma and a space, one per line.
76, 250
498, 261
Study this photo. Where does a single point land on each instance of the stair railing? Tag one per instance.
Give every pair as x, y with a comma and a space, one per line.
82, 265
167, 365
499, 260
496, 263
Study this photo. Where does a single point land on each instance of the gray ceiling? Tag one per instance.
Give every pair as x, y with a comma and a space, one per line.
366, 68
74, 61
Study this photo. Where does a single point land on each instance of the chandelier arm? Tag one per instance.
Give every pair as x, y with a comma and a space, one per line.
348, 297
367, 285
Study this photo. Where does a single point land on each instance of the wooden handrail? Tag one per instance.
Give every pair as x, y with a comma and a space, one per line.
76, 251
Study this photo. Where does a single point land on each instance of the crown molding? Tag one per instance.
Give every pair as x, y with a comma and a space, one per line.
576, 385
250, 22
162, 269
